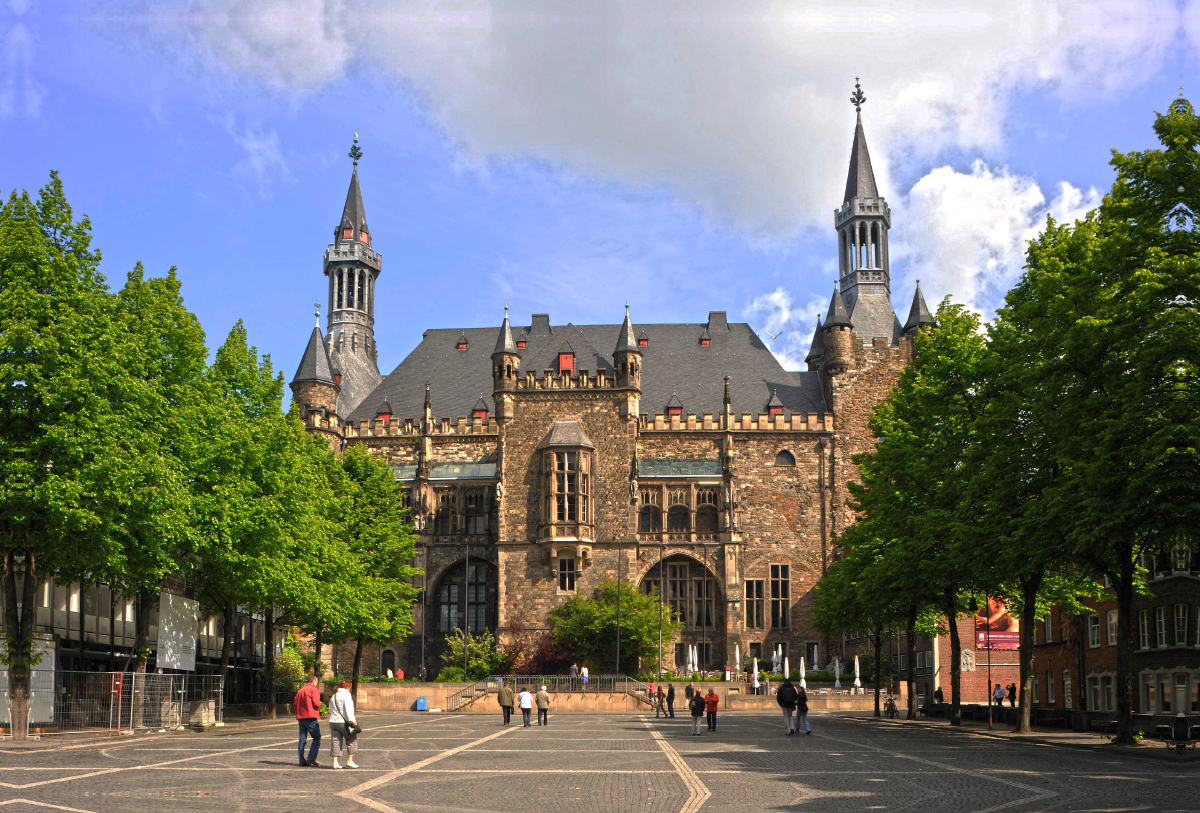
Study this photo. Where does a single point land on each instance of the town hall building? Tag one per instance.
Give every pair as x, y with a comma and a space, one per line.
542, 459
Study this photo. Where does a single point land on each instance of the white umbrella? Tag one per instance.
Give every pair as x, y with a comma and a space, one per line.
837, 673
737, 657
803, 672
756, 673
857, 682
787, 672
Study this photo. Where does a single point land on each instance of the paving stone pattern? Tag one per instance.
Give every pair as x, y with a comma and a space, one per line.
581, 764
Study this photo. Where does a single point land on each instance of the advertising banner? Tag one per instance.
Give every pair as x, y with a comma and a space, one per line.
995, 628
178, 620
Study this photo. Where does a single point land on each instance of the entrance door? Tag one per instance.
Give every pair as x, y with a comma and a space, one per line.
1181, 693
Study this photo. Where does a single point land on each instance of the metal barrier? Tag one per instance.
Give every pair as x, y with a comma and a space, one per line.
66, 702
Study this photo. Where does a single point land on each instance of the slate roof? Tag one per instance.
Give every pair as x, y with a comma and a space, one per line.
860, 183
314, 364
353, 213
674, 362
918, 314
567, 433
873, 315
837, 315
679, 467
817, 348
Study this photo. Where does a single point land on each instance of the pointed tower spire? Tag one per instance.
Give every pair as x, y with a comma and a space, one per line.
314, 364
837, 316
860, 181
504, 341
918, 314
625, 339
817, 348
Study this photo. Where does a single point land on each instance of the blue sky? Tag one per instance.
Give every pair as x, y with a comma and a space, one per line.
565, 159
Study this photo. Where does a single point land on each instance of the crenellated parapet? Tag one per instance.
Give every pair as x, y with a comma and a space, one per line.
746, 422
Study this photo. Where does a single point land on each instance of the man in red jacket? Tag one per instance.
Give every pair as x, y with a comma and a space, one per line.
308, 715
711, 704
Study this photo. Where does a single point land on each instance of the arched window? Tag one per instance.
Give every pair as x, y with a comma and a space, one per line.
341, 287
650, 520
443, 518
785, 458
476, 511
679, 519
387, 663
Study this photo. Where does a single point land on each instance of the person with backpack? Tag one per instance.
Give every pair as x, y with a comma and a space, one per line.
711, 704
802, 710
786, 697
696, 707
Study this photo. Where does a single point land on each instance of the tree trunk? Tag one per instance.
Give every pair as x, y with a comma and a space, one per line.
19, 622
357, 664
317, 653
1124, 588
910, 671
269, 659
228, 623
878, 664
951, 610
1029, 592
141, 654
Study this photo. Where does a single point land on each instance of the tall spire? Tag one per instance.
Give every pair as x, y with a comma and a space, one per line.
354, 216
817, 348
860, 182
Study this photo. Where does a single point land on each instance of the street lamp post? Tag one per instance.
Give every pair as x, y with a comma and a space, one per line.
619, 554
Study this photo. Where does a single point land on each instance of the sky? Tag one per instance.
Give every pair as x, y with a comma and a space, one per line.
567, 157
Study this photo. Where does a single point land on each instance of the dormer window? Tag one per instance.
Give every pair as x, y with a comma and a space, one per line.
462, 342
384, 418
643, 342
347, 234
365, 237
479, 415
774, 411
675, 412
566, 364
521, 344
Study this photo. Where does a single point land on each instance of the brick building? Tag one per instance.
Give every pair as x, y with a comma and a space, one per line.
543, 459
1075, 660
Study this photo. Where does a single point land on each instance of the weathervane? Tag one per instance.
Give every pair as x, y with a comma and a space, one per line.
355, 152
317, 312
858, 98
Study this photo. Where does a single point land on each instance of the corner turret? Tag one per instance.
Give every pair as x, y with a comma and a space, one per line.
506, 361
918, 314
627, 358
837, 337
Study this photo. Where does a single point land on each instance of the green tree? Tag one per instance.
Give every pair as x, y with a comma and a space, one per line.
62, 431
1107, 318
381, 545
588, 625
483, 656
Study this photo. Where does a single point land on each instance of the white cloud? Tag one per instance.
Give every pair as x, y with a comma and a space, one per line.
738, 107
788, 329
263, 154
20, 93
966, 233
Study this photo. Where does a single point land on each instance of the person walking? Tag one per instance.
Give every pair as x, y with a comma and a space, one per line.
505, 698
343, 725
998, 696
711, 703
583, 675
308, 715
802, 710
671, 701
786, 698
660, 706
1012, 695
938, 697
696, 706
543, 707
574, 676
525, 701
688, 692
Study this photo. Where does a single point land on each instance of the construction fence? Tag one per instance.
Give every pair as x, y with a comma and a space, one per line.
66, 702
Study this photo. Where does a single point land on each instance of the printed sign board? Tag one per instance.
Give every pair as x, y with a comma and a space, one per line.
178, 620
995, 628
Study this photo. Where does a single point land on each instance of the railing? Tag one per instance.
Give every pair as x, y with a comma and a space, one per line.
559, 684
66, 702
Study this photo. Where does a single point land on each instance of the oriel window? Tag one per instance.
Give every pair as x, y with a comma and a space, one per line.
570, 487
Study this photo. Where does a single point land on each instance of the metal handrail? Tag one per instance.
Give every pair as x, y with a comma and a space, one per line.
596, 684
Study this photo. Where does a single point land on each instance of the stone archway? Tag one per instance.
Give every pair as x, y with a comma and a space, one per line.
692, 591
458, 599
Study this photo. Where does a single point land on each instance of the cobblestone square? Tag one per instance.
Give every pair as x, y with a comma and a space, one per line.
597, 763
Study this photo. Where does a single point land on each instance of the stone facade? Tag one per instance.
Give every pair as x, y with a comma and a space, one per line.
580, 468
